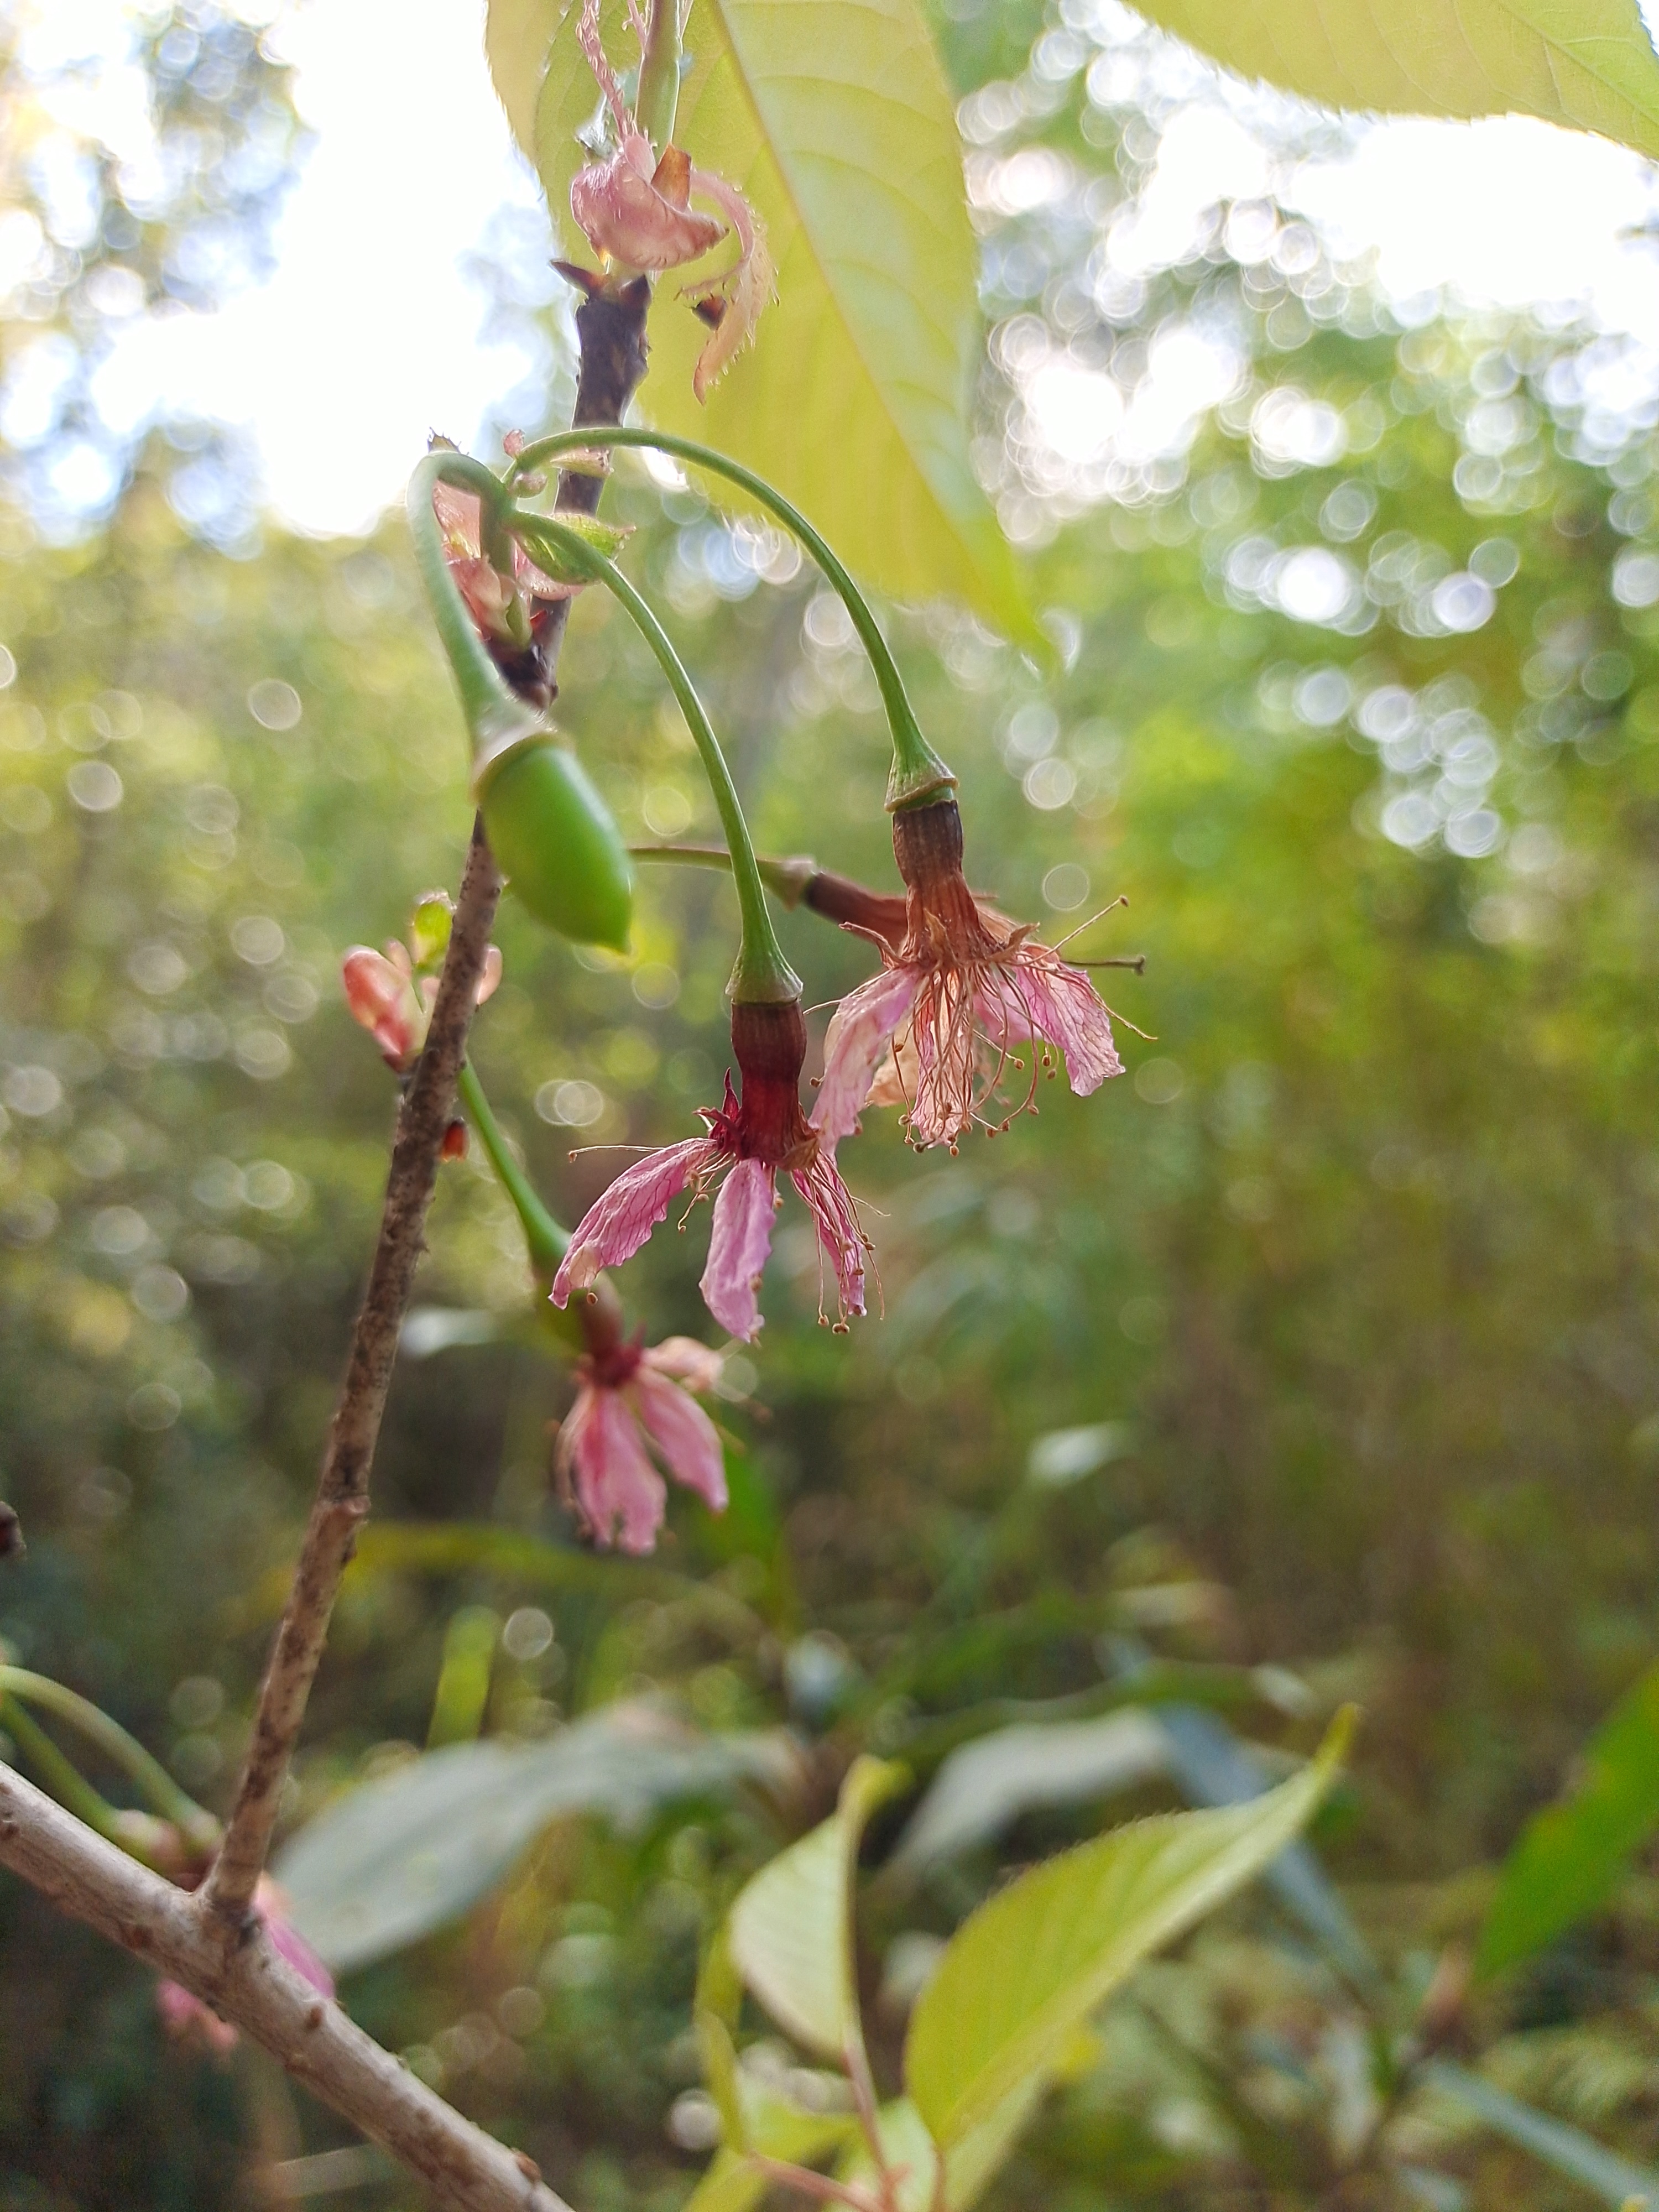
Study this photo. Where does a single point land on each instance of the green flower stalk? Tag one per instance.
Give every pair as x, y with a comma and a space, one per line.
659, 96
635, 1408
548, 1243
19, 1686
761, 974
918, 775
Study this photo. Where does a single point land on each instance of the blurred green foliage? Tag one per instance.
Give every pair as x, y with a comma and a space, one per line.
1323, 1341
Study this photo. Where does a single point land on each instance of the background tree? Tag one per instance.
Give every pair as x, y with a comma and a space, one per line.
1346, 1371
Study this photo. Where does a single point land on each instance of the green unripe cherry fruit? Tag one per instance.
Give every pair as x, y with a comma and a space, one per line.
555, 842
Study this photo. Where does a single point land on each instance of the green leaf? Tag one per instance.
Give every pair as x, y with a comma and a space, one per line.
984, 1786
732, 2183
970, 2166
906, 2149
1588, 63
834, 117
1568, 2149
714, 2011
1026, 1970
517, 36
446, 1547
791, 1927
396, 1858
464, 1676
1569, 1857
776, 2128
606, 539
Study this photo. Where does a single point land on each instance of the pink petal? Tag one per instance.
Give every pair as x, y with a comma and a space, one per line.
271, 1902
621, 1219
738, 1246
623, 213
382, 1001
684, 1435
685, 1360
490, 982
592, 46
836, 1220
861, 1031
622, 1495
486, 595
457, 513
484, 591
893, 1083
287, 1939
743, 293
183, 2014
1065, 1007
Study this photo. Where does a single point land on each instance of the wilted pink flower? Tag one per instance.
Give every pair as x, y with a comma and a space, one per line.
380, 991
751, 1139
636, 209
631, 1401
488, 593
733, 304
954, 1000
639, 212
186, 2017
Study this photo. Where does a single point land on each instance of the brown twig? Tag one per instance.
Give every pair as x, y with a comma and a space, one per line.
341, 1500
249, 1983
214, 1942
612, 361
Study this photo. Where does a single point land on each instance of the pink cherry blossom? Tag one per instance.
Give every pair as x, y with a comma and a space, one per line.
634, 208
380, 991
750, 1141
489, 594
733, 303
631, 1402
739, 1244
944, 1020
639, 212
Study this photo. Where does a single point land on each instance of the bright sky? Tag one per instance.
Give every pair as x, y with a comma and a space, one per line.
370, 331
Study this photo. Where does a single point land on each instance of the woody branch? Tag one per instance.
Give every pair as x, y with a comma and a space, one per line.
213, 1942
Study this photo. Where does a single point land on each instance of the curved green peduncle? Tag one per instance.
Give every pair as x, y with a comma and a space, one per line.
495, 715
918, 774
761, 973
66, 1781
548, 1242
785, 880
121, 1749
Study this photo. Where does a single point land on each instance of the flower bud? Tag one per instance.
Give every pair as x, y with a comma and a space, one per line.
383, 1000
555, 842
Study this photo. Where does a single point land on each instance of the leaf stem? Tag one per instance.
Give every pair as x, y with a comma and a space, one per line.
761, 973
918, 774
548, 1242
